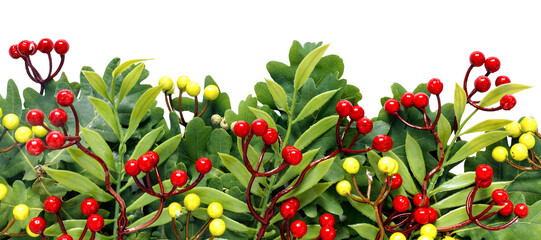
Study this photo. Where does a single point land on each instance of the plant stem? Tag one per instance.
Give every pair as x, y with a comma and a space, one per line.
290, 117
458, 132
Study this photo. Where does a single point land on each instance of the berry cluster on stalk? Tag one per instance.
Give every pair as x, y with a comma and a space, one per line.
524, 137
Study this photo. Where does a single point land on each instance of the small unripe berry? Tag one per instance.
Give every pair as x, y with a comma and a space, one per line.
167, 83
192, 201
217, 227
20, 212
397, 236
386, 165
351, 165
519, 151
528, 124
174, 210
429, 230
514, 129
528, 139
499, 154
215, 119
10, 121
39, 131
23, 134
215, 210
3, 191
224, 125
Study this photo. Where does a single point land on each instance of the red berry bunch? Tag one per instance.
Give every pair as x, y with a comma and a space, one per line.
425, 215
327, 232
147, 162
483, 175
292, 155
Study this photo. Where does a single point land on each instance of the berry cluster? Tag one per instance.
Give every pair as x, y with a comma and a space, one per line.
522, 149
215, 210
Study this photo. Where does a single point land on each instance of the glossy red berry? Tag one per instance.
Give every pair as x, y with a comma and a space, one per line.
270, 137
64, 98
292, 155
241, 128
396, 181
65, 237
421, 215
27, 48
294, 201
61, 46
483, 184
288, 211
55, 139
432, 215
326, 219
95, 222
482, 84
356, 113
434, 86
521, 210
37, 225
132, 168
502, 80
203, 165
500, 196
89, 206
52, 204
401, 203
392, 106
344, 108
507, 208
35, 146
146, 162
298, 229
13, 52
259, 127
420, 100
45, 45
382, 143
179, 178
484, 172
154, 155
58, 117
508, 102
477, 59
364, 125
417, 199
327, 233
492, 64
407, 99
35, 117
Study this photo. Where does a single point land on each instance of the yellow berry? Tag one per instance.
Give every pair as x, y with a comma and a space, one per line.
386, 164
395, 170
429, 230
3, 191
39, 131
519, 151
23, 134
215, 210
351, 165
514, 129
175, 210
398, 236
193, 89
182, 81
499, 154
211, 92
20, 212
448, 238
30, 233
10, 121
528, 139
528, 124
217, 227
424, 237
192, 201
167, 83
343, 187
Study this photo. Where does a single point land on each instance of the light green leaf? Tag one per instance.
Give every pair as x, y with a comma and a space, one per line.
293, 171
230, 224
497, 93
488, 125
122, 67
100, 147
459, 215
315, 104
278, 94
459, 198
365, 230
146, 143
106, 113
97, 83
162, 219
263, 115
307, 66
316, 130
444, 130
475, 145
407, 179
89, 164
311, 178
140, 109
238, 169
129, 82
460, 102
55, 230
458, 182
167, 148
415, 158
78, 183
209, 195
146, 198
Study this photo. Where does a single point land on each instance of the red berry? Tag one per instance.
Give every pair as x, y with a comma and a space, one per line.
502, 80
55, 139
58, 117
417, 199
89, 206
146, 162
396, 181
241, 128
294, 201
61, 46
382, 143
392, 106
482, 84
356, 113
13, 52
484, 172
326, 220
421, 215
35, 117
344, 108
364, 125
477, 59
45, 45
154, 155
327, 233
52, 204
179, 178
407, 99
270, 137
521, 210
435, 86
35, 146
420, 100
432, 215
95, 222
288, 211
203, 165
27, 48
500, 196
492, 64
483, 184
401, 203
37, 225
292, 155
507, 208
65, 237
508, 102
259, 127
132, 168
298, 229
64, 98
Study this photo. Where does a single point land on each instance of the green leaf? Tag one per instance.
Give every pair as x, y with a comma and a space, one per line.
209, 195
89, 164
162, 219
475, 145
316, 130
460, 102
140, 109
146, 143
444, 130
263, 115
415, 158
167, 148
315, 104
407, 179
497, 93
55, 230
230, 224
487, 125
311, 178
129, 81
238, 169
278, 94
146, 198
459, 215
458, 182
126, 65
365, 230
307, 65
293, 171
100, 147
78, 183
106, 113
459, 198
97, 83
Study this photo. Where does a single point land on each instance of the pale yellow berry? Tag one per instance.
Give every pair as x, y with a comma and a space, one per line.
514, 129
23, 134
343, 188
499, 154
528, 139
192, 201
429, 230
215, 210
39, 131
211, 92
175, 210
351, 165
528, 124
167, 83
519, 151
395, 170
386, 165
424, 237
193, 89
3, 191
217, 227
10, 121
182, 81
20, 212
397, 236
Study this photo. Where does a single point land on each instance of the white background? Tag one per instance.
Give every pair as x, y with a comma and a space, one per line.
381, 43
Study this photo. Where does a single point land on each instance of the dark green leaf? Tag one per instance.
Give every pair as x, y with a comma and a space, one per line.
415, 158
